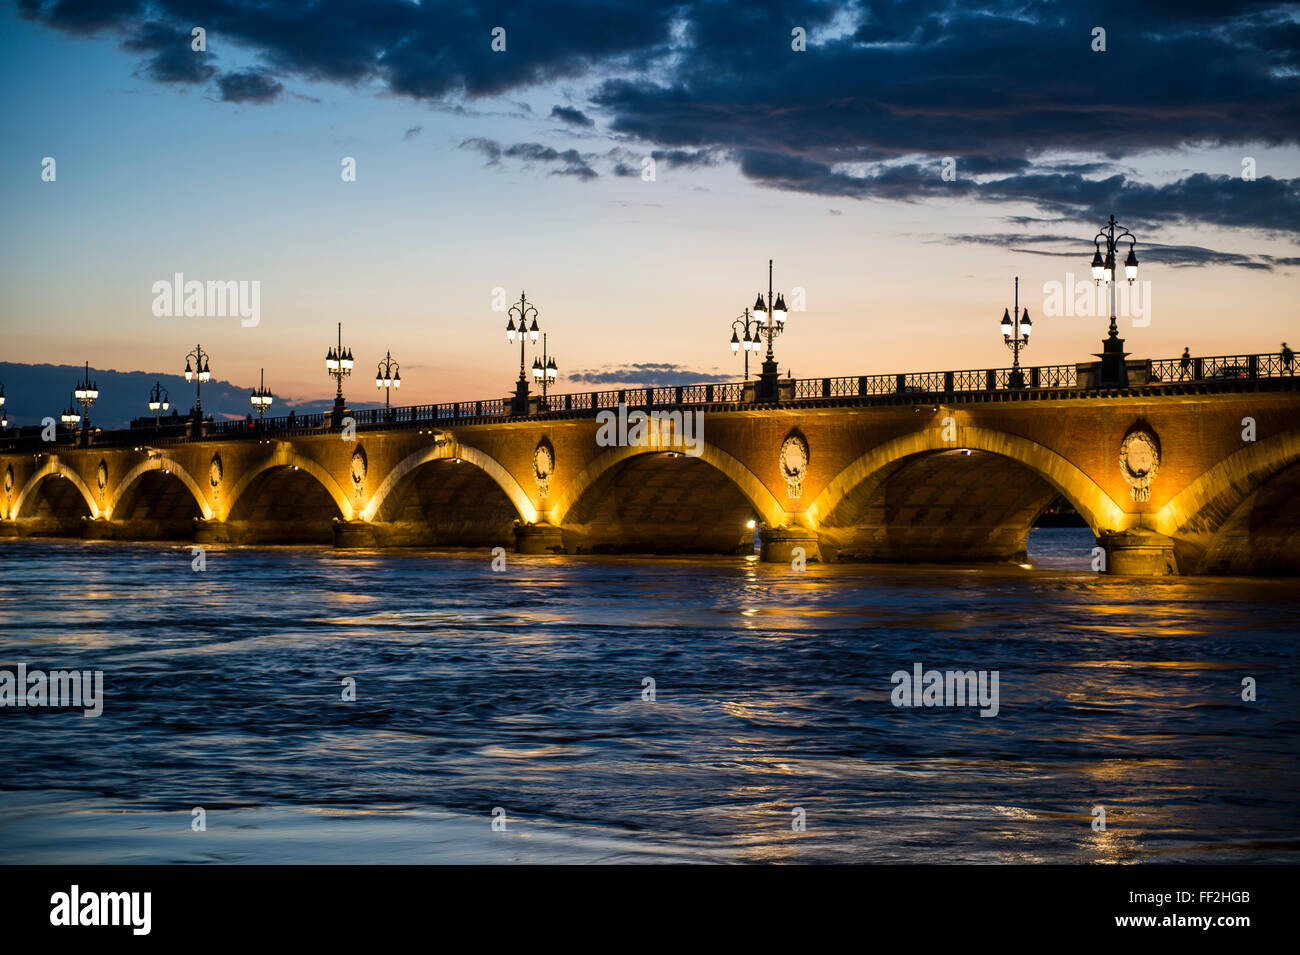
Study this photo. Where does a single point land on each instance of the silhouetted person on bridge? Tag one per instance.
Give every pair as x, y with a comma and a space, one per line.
1185, 365
1288, 359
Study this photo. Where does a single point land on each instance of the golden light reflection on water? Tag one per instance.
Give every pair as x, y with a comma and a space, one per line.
533, 752
343, 598
1109, 847
774, 695
1167, 664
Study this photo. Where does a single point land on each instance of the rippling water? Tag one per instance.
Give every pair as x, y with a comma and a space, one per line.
523, 690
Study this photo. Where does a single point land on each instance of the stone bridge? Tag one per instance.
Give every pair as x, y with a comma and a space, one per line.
1172, 476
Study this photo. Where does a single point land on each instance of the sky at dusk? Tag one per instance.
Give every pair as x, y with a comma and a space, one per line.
522, 170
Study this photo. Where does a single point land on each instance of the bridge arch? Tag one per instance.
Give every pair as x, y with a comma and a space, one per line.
1242, 514
163, 463
284, 458
642, 499
50, 469
762, 500
902, 499
452, 450
1093, 504
1209, 500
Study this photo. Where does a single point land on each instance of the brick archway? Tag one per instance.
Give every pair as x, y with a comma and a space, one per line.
1223, 487
1096, 507
765, 504
526, 509
48, 470
1208, 517
286, 458
158, 464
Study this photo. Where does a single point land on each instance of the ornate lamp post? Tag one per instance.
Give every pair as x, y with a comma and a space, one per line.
158, 402
198, 374
338, 364
522, 311
545, 371
1112, 355
1016, 335
771, 322
86, 393
70, 418
388, 376
261, 398
747, 343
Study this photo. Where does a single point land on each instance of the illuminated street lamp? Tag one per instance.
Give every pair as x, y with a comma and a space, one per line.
261, 398
521, 312
749, 342
1113, 370
338, 364
4, 415
86, 394
158, 402
198, 374
545, 371
771, 323
70, 417
1016, 335
388, 376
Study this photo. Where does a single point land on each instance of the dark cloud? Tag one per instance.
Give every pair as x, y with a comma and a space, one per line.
984, 165
249, 86
488, 147
883, 93
1080, 249
427, 50
1082, 168
574, 117
173, 59
83, 16
570, 161
648, 374
682, 158
1268, 204
412, 132
631, 163
1001, 79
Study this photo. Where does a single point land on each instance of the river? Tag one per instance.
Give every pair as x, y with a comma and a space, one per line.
524, 690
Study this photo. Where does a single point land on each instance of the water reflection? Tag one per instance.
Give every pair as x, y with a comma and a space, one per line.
524, 690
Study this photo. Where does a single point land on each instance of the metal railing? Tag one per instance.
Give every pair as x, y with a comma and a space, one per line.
936, 382
1036, 380
1221, 368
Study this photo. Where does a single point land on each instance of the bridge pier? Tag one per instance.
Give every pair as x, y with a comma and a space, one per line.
96, 529
9, 529
211, 532
777, 544
1138, 553
354, 534
538, 539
